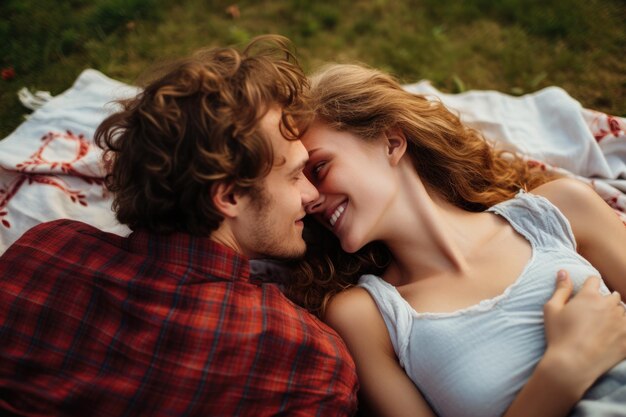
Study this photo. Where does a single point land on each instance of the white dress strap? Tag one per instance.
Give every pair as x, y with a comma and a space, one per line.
396, 313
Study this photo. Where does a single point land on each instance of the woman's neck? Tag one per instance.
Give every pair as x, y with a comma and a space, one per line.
427, 235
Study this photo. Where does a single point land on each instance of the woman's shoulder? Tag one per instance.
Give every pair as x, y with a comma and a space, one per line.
578, 202
567, 193
575, 199
350, 303
353, 314
352, 309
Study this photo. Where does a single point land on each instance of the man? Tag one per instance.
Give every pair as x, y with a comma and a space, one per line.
207, 170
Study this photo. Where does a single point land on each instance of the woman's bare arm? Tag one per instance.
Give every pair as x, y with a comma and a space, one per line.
388, 389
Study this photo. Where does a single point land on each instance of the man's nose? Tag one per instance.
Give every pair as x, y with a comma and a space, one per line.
314, 206
311, 198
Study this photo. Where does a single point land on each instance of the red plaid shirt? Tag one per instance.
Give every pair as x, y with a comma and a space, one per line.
94, 324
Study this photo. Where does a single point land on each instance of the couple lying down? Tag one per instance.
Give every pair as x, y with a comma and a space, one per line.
433, 256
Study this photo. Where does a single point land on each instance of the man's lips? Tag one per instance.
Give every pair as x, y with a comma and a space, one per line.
300, 220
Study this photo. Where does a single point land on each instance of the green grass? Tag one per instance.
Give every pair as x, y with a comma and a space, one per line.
514, 46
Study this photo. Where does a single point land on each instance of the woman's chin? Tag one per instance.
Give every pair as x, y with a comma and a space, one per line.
351, 247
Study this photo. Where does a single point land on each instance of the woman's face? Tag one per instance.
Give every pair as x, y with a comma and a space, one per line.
355, 181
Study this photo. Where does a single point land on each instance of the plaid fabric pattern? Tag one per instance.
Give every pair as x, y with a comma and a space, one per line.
94, 324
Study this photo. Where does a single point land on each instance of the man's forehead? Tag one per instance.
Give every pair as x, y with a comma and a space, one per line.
270, 122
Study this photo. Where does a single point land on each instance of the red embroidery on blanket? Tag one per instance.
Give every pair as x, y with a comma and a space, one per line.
612, 202
613, 128
38, 159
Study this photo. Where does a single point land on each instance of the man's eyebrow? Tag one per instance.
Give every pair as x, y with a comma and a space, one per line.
299, 167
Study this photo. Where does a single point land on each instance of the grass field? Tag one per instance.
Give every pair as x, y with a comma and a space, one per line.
514, 46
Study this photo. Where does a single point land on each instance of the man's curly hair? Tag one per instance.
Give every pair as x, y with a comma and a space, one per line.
195, 126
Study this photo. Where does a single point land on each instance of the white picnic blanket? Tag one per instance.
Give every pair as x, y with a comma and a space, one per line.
50, 168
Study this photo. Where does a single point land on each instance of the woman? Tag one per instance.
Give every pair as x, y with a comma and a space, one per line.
459, 262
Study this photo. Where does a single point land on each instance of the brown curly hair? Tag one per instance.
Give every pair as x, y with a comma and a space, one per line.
196, 125
452, 159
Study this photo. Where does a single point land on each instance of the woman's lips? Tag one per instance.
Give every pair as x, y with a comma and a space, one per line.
336, 215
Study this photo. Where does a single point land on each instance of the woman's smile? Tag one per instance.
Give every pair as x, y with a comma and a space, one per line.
337, 214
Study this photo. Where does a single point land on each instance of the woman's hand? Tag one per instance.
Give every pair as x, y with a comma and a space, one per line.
586, 335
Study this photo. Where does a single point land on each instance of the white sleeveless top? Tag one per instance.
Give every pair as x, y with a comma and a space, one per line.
474, 361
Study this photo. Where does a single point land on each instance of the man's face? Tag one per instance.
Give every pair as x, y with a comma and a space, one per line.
272, 222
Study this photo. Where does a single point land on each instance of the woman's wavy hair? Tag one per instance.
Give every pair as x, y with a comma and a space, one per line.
451, 159
195, 125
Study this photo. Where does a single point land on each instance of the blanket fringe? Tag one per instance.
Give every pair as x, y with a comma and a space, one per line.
33, 101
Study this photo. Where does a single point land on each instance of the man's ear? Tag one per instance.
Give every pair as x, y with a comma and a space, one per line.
396, 145
225, 199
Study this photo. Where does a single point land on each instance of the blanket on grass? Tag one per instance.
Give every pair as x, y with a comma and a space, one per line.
50, 168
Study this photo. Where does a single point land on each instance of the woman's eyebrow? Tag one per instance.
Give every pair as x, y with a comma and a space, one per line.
313, 151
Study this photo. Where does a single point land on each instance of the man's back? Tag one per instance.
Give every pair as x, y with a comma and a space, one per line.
96, 324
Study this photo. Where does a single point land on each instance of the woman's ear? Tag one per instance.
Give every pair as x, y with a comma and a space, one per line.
225, 199
396, 145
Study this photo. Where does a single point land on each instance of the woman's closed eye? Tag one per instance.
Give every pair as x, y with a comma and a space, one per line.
317, 171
